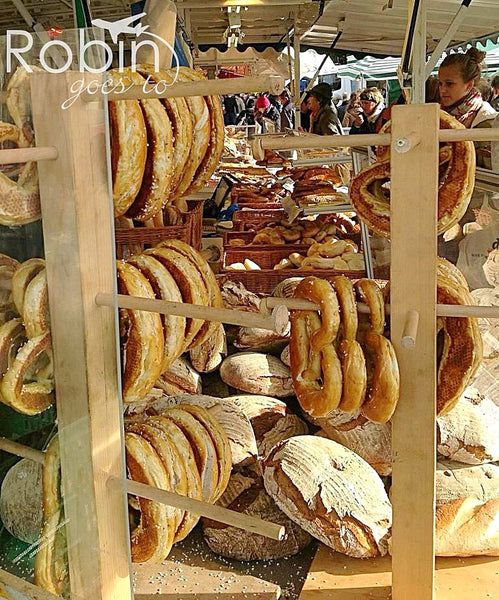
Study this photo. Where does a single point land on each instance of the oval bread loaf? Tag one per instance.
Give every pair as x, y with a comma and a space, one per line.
257, 374
332, 493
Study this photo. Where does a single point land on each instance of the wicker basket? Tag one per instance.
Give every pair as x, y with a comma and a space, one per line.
246, 219
194, 220
133, 241
264, 281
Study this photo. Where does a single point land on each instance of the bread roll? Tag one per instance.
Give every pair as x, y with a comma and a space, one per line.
257, 374
332, 493
179, 378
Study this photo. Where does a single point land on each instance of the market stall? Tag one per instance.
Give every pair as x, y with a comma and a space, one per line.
180, 395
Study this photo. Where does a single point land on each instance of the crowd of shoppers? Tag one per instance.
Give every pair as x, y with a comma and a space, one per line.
269, 113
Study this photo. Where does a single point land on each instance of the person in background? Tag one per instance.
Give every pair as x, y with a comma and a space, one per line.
287, 110
323, 117
458, 75
372, 104
353, 108
241, 105
484, 87
264, 110
432, 92
494, 98
230, 110
342, 106
305, 113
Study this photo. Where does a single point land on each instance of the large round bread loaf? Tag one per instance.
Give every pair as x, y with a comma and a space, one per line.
21, 501
257, 374
371, 441
332, 493
455, 481
271, 419
469, 433
247, 495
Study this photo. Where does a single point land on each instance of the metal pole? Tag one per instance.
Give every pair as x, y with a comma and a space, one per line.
296, 47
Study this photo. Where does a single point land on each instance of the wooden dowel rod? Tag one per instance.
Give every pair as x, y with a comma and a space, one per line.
443, 310
206, 87
278, 321
12, 156
410, 332
210, 511
21, 450
384, 139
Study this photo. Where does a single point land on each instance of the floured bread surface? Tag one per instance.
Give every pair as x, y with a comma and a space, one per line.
257, 374
371, 441
469, 433
247, 495
332, 493
455, 481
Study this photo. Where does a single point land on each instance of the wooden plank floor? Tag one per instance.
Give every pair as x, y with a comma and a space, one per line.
333, 576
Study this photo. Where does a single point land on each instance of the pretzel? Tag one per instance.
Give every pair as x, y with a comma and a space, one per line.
220, 441
317, 378
8, 266
157, 177
353, 367
142, 337
321, 292
200, 116
384, 383
462, 347
164, 288
128, 149
33, 362
180, 119
152, 539
51, 564
348, 307
190, 282
172, 463
203, 447
215, 148
214, 296
19, 200
456, 180
21, 279
369, 293
12, 337
36, 306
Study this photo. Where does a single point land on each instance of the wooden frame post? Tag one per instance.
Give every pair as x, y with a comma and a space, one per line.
77, 217
414, 184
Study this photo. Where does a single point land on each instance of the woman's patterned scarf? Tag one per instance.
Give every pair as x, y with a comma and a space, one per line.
467, 108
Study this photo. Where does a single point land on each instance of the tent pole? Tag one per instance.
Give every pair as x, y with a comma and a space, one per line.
442, 44
296, 47
419, 56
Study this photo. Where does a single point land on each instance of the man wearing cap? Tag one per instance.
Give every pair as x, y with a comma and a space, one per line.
323, 117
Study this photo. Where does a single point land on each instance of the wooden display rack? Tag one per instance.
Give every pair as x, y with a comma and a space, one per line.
77, 217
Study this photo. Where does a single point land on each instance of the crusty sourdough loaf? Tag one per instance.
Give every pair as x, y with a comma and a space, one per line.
271, 419
455, 481
371, 441
257, 374
467, 527
332, 493
469, 433
246, 494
